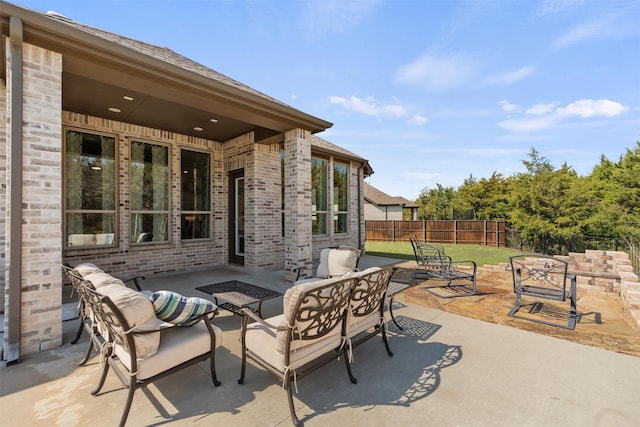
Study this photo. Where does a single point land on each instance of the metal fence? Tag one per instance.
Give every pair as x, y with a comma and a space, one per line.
474, 232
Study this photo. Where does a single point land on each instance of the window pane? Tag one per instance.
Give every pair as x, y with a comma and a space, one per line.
149, 227
90, 189
319, 184
319, 196
149, 192
195, 226
340, 223
319, 223
195, 181
149, 177
90, 171
90, 229
340, 185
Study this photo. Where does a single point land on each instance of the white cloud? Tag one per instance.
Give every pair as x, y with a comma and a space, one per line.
598, 28
547, 116
589, 108
508, 106
368, 106
528, 124
418, 119
438, 73
294, 96
540, 109
512, 76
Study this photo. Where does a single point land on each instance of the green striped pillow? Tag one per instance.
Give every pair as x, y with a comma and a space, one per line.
178, 309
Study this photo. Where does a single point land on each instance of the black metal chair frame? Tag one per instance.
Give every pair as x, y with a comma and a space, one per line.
330, 307
546, 277
322, 310
119, 332
85, 321
433, 263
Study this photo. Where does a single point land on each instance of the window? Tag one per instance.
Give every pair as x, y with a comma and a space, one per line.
318, 196
196, 195
340, 197
149, 192
90, 189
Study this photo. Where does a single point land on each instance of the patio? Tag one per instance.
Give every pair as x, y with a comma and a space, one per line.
447, 370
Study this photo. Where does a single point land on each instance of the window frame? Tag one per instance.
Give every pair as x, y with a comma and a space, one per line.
167, 212
115, 211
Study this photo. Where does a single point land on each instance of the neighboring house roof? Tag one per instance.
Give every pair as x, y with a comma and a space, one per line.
379, 198
170, 91
324, 146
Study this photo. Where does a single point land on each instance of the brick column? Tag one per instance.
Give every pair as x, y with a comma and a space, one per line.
297, 199
41, 213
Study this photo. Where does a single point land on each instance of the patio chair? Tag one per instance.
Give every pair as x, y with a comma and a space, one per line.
335, 261
138, 346
433, 263
75, 276
309, 333
542, 276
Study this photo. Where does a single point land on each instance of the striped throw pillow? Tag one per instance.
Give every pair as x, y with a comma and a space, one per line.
178, 309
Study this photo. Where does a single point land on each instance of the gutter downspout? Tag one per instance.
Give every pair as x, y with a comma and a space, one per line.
360, 201
14, 238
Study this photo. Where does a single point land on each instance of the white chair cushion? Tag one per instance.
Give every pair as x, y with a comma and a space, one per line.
87, 268
177, 345
336, 262
269, 347
100, 279
138, 310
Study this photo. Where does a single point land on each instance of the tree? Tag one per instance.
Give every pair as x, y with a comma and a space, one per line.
545, 201
436, 203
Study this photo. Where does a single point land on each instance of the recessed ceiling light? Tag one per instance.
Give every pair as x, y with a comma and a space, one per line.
115, 110
198, 128
128, 98
213, 120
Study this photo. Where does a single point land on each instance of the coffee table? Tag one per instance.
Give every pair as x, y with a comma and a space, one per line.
236, 295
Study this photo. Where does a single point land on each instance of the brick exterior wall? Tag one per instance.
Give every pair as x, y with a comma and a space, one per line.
41, 215
261, 164
297, 197
43, 208
128, 259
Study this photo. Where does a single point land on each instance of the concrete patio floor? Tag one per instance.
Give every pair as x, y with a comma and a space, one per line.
447, 370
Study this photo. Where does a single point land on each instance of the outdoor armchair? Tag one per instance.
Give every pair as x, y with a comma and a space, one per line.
334, 262
140, 347
538, 277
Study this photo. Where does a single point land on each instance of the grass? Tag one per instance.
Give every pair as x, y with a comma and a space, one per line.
480, 254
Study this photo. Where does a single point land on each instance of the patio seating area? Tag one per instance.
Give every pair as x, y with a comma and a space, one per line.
504, 375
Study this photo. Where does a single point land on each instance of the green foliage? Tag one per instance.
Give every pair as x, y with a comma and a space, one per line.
548, 200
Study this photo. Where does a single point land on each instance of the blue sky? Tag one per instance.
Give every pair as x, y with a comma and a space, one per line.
428, 91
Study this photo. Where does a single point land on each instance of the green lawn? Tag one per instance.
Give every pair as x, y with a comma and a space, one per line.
480, 254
